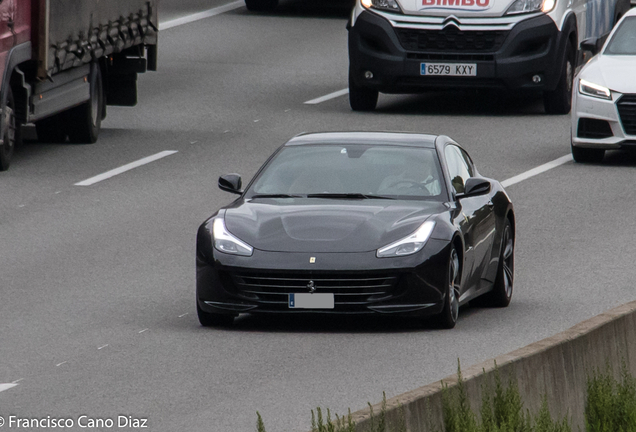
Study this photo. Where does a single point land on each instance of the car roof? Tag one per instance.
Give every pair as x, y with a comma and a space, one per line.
409, 139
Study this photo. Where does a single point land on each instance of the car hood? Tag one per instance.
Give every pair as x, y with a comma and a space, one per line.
321, 225
613, 72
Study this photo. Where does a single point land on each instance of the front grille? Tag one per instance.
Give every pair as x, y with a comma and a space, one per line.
451, 39
348, 288
627, 110
594, 129
451, 57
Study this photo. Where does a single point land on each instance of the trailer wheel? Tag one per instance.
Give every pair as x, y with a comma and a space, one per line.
85, 120
10, 133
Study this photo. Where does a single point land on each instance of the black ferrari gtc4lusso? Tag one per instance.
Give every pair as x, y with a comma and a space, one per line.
358, 223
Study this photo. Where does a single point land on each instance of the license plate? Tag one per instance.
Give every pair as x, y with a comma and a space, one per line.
448, 69
311, 301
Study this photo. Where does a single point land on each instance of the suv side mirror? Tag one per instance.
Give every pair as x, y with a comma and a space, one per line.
475, 186
231, 183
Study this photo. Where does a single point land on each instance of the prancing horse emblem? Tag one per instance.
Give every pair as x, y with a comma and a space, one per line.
311, 286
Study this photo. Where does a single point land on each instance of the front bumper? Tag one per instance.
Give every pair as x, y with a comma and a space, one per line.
603, 124
508, 58
361, 282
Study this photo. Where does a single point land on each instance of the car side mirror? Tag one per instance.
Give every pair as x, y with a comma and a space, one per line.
231, 183
592, 45
475, 186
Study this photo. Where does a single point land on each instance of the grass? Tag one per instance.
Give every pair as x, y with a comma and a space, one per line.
611, 403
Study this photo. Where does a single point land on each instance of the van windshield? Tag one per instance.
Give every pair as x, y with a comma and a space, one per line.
624, 40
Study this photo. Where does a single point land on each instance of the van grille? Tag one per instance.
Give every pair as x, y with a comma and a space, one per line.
451, 39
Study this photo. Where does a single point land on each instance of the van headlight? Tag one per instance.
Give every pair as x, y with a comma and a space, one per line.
387, 5
529, 6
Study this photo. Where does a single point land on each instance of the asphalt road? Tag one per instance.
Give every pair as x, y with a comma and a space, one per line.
97, 312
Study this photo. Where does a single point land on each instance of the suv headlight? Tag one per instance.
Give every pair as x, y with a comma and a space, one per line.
387, 5
227, 243
590, 89
529, 6
408, 245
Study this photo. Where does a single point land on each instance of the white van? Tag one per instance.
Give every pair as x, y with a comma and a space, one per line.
411, 46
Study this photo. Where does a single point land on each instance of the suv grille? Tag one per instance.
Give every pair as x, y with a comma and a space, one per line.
451, 39
347, 288
627, 111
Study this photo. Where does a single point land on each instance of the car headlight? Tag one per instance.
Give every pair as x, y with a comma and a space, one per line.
225, 242
529, 6
590, 89
388, 5
408, 245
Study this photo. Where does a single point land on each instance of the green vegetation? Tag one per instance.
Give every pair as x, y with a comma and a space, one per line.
610, 407
611, 404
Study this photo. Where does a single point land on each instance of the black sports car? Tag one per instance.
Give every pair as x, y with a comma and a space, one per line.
358, 223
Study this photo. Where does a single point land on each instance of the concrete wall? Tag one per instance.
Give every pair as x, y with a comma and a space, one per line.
556, 367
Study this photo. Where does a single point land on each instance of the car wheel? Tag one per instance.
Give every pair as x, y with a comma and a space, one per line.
11, 133
214, 320
587, 155
361, 98
448, 317
261, 5
501, 294
559, 101
85, 120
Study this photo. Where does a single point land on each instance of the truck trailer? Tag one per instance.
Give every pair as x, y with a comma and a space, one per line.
63, 61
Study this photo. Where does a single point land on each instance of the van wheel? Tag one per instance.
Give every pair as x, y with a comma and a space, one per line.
559, 101
361, 98
10, 133
84, 121
261, 5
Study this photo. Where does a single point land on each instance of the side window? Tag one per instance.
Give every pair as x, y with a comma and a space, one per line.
459, 169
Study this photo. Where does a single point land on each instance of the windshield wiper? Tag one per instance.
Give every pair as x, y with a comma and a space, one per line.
348, 196
281, 195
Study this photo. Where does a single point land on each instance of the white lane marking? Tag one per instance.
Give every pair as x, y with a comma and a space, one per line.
60, 364
328, 97
102, 347
536, 171
125, 168
181, 316
17, 381
144, 330
4, 387
201, 15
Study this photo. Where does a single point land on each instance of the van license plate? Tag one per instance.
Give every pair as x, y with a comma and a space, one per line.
311, 301
448, 69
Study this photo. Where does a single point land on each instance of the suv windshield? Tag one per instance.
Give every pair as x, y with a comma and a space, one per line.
624, 40
351, 171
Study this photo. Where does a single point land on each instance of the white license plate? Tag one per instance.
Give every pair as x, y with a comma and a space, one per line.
311, 301
448, 69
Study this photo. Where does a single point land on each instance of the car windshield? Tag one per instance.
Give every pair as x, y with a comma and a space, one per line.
351, 171
624, 40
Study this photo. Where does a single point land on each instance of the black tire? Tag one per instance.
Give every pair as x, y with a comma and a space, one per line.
10, 133
450, 313
261, 5
559, 101
362, 98
84, 121
53, 129
214, 320
502, 291
587, 155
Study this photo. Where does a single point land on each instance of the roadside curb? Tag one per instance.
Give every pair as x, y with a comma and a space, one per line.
556, 367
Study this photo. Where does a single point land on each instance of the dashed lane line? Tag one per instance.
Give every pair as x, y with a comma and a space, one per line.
123, 169
536, 171
4, 387
328, 97
201, 15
